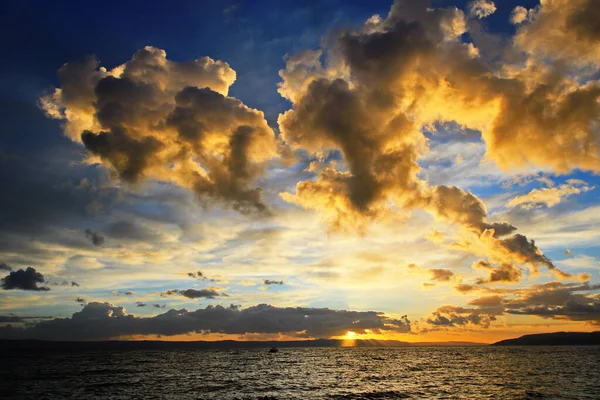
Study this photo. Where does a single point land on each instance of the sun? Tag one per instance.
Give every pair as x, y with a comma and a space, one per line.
349, 339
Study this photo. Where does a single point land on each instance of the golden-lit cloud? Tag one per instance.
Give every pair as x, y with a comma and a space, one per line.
521, 15
481, 8
549, 197
152, 118
565, 30
370, 99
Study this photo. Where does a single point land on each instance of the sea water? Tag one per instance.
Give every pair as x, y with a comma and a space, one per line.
305, 373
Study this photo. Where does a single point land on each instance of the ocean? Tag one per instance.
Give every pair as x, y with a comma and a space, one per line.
305, 373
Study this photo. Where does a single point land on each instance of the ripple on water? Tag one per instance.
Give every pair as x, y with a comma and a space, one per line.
319, 373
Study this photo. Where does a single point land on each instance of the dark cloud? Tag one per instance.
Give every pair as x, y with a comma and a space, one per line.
464, 288
525, 251
453, 316
104, 321
80, 300
453, 204
49, 201
441, 275
16, 319
94, 237
229, 179
159, 305
558, 301
208, 293
487, 301
505, 273
129, 156
585, 21
521, 245
5, 267
271, 282
197, 275
126, 293
131, 230
65, 283
553, 300
140, 304
25, 280
7, 319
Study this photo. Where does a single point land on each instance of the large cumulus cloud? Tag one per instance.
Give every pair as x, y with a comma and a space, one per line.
105, 321
152, 118
372, 91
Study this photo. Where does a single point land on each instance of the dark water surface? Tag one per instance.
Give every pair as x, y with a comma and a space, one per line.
310, 373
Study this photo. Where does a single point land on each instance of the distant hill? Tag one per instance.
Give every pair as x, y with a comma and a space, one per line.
554, 339
37, 345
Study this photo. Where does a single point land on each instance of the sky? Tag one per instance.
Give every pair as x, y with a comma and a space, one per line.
259, 170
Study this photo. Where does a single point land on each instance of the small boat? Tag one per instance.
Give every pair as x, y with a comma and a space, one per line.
274, 350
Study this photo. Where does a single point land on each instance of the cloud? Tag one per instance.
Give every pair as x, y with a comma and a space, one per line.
370, 100
553, 300
12, 318
481, 8
133, 231
271, 282
464, 288
152, 118
505, 273
5, 267
550, 196
9, 319
510, 253
207, 293
64, 283
105, 321
565, 30
525, 251
441, 275
453, 316
558, 301
197, 275
487, 301
366, 95
126, 293
24, 280
520, 15
450, 203
94, 237
80, 300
